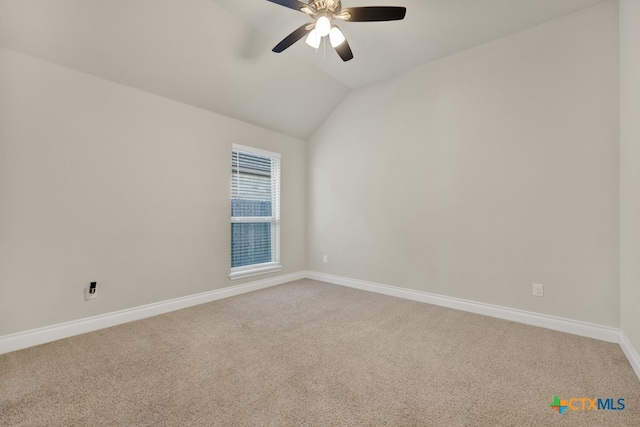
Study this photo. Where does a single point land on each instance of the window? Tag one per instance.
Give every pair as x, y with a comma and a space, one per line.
255, 212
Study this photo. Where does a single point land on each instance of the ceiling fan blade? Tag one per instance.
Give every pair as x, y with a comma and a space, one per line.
374, 13
293, 37
291, 4
344, 50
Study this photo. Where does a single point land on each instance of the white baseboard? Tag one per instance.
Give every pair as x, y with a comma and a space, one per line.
51, 333
20, 340
631, 353
590, 330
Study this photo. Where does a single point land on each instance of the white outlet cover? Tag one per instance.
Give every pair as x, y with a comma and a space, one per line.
88, 295
538, 289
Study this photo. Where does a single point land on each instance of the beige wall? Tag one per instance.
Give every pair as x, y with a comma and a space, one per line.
100, 182
482, 173
472, 177
630, 171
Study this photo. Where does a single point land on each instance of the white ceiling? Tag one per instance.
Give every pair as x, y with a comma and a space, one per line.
216, 54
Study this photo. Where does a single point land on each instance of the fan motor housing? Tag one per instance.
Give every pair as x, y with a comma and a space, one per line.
332, 6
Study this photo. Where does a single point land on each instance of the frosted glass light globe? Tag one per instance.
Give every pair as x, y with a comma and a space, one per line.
323, 26
336, 37
313, 39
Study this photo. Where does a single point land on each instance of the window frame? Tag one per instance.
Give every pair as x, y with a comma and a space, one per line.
273, 265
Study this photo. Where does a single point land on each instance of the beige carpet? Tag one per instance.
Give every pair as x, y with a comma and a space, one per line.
312, 354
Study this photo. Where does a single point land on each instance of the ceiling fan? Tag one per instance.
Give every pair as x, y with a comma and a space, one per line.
324, 12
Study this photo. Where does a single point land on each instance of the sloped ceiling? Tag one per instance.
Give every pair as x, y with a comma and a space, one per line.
216, 54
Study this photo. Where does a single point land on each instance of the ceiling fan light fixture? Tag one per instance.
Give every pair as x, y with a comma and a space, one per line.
336, 37
313, 39
324, 12
323, 25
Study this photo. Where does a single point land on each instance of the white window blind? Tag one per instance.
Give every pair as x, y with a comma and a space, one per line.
255, 211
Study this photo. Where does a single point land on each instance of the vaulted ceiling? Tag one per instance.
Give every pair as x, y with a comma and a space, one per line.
216, 54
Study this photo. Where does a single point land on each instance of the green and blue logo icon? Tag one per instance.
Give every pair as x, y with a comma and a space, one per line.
559, 405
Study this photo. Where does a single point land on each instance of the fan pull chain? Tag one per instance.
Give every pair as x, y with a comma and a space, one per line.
324, 48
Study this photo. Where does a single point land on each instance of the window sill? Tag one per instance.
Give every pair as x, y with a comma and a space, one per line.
254, 271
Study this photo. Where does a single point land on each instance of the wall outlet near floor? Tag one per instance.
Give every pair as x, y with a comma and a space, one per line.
325, 259
91, 291
538, 290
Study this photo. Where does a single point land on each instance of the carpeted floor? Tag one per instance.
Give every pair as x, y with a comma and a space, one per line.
313, 354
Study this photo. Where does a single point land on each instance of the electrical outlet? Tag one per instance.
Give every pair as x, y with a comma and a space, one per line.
325, 258
91, 291
538, 290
